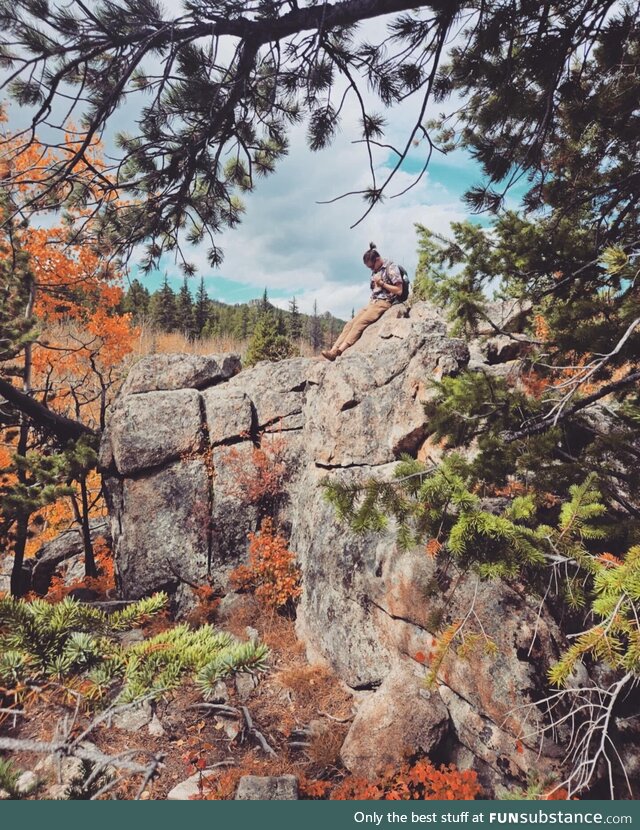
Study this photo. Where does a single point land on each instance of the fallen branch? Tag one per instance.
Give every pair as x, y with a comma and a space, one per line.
348, 719
587, 372
589, 718
546, 423
64, 745
220, 708
64, 749
256, 733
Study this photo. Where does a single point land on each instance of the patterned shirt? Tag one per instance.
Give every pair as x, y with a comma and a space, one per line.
390, 274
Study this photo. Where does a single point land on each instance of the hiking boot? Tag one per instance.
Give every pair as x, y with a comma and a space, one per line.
330, 354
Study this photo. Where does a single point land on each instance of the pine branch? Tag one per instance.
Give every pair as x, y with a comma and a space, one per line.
62, 427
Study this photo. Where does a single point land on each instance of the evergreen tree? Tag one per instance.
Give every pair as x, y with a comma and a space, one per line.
242, 324
267, 343
295, 321
136, 301
163, 307
201, 310
184, 311
282, 326
314, 330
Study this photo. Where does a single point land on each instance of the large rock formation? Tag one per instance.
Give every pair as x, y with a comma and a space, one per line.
174, 455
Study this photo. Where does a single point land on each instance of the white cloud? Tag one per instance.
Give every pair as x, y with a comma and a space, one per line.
291, 244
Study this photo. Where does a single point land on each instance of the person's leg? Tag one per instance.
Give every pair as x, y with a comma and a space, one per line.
336, 349
345, 331
360, 322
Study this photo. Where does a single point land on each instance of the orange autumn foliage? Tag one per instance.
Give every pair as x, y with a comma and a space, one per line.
82, 338
540, 328
272, 572
310, 789
102, 584
511, 489
77, 361
420, 780
259, 475
557, 795
207, 602
534, 384
433, 548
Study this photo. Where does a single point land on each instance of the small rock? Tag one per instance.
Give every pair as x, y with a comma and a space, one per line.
190, 787
502, 349
231, 728
155, 727
267, 788
26, 783
252, 634
133, 719
4, 795
128, 638
245, 684
220, 693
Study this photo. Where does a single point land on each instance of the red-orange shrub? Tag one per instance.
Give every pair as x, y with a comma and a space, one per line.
421, 780
272, 572
257, 476
424, 781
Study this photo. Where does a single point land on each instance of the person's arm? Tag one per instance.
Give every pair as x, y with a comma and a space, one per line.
391, 282
390, 288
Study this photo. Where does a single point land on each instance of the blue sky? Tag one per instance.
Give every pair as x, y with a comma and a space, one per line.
292, 244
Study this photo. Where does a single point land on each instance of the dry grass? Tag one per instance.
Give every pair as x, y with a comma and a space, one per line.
156, 342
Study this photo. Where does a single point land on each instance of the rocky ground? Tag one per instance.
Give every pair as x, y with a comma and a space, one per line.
298, 714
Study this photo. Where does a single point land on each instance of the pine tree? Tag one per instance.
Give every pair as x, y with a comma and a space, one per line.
266, 342
136, 301
243, 322
163, 307
295, 321
201, 310
184, 312
314, 330
68, 640
282, 326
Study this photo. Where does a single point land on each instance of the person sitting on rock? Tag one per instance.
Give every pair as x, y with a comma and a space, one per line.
386, 287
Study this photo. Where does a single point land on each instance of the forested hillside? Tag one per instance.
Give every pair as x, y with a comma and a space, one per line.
199, 317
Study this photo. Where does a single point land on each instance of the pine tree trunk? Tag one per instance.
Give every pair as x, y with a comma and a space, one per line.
22, 525
90, 568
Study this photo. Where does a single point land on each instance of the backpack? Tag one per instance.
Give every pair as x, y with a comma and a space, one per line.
405, 284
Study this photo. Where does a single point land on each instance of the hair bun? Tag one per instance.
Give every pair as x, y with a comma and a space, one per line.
372, 246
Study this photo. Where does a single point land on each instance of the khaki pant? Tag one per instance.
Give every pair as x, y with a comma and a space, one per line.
354, 328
